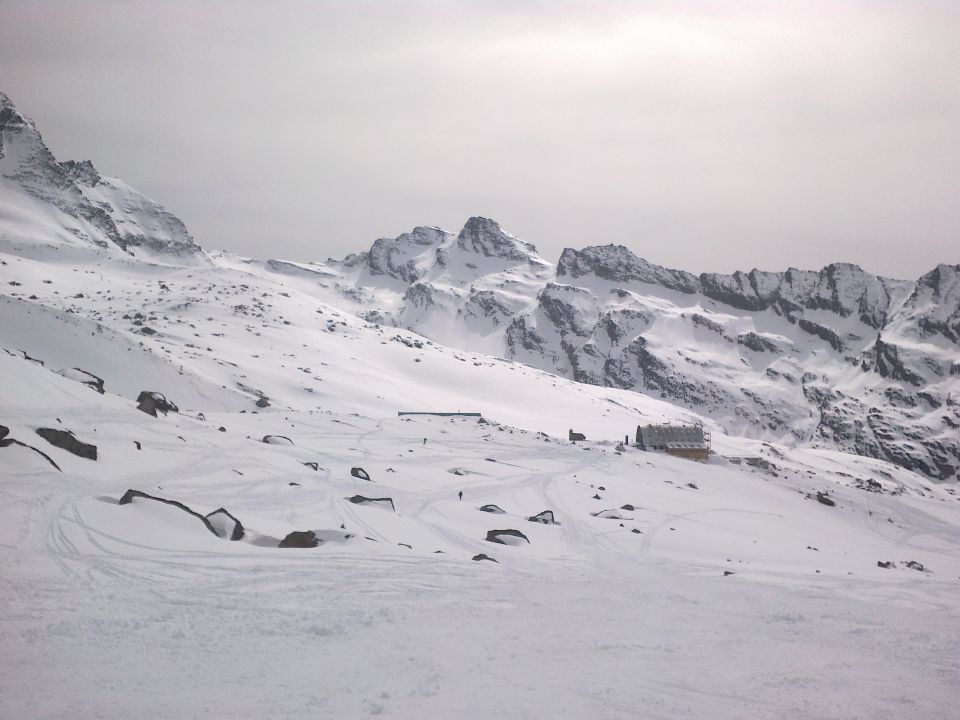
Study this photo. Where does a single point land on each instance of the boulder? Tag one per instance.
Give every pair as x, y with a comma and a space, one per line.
300, 539
608, 515
152, 402
628, 507
507, 537
359, 472
888, 565
130, 495
484, 556
4, 431
87, 378
312, 465
277, 440
545, 517
495, 509
225, 525
825, 499
262, 402
914, 565
382, 502
65, 440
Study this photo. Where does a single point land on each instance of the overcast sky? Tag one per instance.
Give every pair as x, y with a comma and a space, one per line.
708, 136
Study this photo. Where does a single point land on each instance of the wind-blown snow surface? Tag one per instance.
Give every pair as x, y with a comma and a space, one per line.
112, 609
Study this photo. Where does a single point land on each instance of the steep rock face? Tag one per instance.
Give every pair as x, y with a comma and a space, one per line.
103, 211
618, 264
398, 257
485, 237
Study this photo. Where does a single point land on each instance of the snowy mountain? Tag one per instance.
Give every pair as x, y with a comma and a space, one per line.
206, 482
831, 358
72, 202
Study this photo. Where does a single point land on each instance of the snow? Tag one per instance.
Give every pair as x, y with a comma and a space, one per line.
125, 607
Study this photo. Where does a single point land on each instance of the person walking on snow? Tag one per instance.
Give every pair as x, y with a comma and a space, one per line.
461, 494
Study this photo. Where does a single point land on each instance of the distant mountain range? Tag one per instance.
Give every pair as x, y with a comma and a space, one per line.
835, 358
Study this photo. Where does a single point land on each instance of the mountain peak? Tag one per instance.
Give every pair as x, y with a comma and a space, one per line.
485, 237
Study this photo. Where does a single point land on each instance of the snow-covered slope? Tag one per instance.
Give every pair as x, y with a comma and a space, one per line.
642, 594
831, 358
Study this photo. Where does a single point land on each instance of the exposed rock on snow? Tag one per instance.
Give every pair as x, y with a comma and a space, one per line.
359, 472
300, 539
225, 525
87, 378
545, 517
130, 495
489, 508
483, 556
152, 402
379, 502
65, 440
507, 537
9, 441
277, 440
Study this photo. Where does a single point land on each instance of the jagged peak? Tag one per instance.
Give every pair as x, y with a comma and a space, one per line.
620, 264
81, 171
485, 237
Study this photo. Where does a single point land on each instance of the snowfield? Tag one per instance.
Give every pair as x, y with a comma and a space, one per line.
211, 505
623, 613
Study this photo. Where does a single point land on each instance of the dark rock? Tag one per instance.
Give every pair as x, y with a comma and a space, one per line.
637, 532
137, 443
4, 431
130, 495
359, 472
152, 402
628, 507
495, 509
262, 402
483, 556
221, 429
545, 517
225, 525
292, 484
277, 440
575, 436
888, 565
361, 500
300, 539
825, 499
728, 572
914, 565
312, 465
507, 537
65, 440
